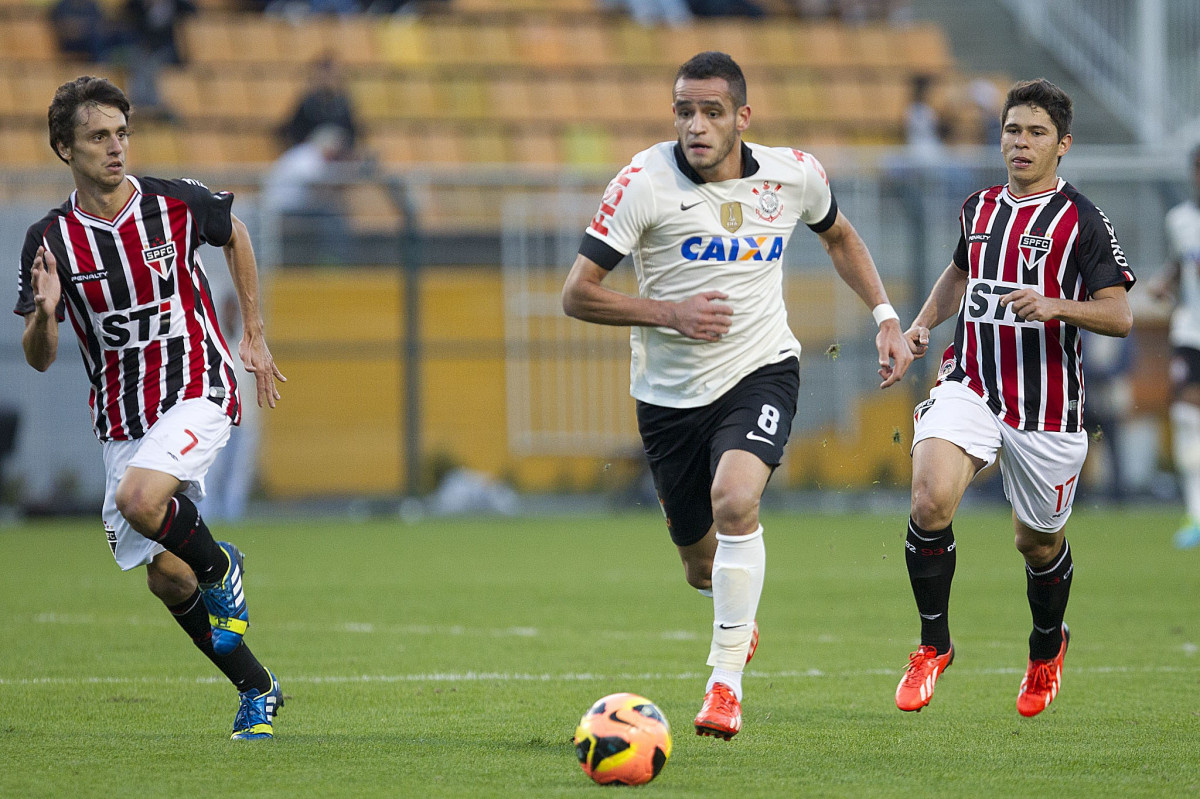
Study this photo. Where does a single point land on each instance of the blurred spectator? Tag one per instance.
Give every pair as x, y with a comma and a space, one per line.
897, 12
988, 100
1107, 369
1181, 279
302, 191
406, 8
83, 30
724, 8
154, 26
674, 13
923, 128
326, 101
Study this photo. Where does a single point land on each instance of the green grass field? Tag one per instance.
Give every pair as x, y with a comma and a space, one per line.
453, 658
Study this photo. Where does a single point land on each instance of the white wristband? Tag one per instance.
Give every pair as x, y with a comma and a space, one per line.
883, 312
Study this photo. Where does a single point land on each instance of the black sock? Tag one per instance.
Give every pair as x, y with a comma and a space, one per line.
930, 556
184, 533
240, 665
1048, 590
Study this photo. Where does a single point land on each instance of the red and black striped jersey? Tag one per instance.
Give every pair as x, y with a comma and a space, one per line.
135, 291
1057, 243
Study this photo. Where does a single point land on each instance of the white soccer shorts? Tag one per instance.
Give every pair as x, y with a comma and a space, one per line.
1040, 470
183, 443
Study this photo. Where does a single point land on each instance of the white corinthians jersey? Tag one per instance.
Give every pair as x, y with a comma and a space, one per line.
1183, 237
687, 237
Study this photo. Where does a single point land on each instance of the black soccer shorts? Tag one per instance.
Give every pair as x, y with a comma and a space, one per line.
684, 445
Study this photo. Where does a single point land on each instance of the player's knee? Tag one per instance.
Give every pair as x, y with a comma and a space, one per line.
1039, 550
735, 509
930, 512
141, 508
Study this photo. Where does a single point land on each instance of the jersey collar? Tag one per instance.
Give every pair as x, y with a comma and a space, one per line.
1032, 198
749, 165
100, 221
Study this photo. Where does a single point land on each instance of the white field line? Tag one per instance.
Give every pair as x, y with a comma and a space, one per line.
561, 677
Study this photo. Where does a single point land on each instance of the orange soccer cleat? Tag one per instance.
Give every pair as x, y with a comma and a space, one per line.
1042, 679
924, 667
721, 714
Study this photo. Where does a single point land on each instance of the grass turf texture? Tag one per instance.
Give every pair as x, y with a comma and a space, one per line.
454, 657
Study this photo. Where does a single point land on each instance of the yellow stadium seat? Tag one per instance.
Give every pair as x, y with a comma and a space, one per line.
28, 39
403, 43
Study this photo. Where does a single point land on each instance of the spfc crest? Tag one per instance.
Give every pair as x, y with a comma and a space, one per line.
1034, 250
731, 216
769, 205
160, 258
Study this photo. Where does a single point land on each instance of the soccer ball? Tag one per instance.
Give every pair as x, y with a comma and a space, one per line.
623, 739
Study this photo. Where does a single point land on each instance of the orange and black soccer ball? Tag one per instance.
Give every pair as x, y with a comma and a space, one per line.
623, 739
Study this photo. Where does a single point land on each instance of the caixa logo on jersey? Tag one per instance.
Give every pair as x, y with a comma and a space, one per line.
160, 258
140, 325
733, 248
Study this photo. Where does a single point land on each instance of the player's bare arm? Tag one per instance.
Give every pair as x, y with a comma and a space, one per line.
40, 339
1106, 313
943, 302
854, 265
701, 317
239, 254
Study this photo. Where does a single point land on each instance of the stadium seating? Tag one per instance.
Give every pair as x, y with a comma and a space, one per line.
505, 81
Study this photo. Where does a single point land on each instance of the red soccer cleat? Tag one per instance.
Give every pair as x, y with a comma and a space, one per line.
1042, 679
924, 667
721, 714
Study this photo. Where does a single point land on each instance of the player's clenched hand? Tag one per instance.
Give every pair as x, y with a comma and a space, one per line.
261, 364
895, 356
47, 290
701, 317
917, 337
1030, 306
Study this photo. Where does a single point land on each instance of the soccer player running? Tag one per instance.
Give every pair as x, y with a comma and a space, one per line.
119, 260
715, 367
1182, 279
1036, 262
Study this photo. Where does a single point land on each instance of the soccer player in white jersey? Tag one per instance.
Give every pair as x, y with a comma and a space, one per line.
1182, 279
715, 367
119, 260
1036, 262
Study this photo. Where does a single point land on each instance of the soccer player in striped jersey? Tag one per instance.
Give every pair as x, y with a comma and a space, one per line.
715, 366
119, 260
1036, 263
1182, 278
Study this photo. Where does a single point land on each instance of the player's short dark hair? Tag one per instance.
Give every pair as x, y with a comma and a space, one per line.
712, 64
84, 90
1045, 95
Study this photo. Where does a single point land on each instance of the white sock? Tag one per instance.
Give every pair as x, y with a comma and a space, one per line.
705, 592
1185, 436
737, 580
731, 678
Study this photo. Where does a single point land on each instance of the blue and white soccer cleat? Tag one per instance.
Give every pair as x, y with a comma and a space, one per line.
256, 712
1188, 536
226, 603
